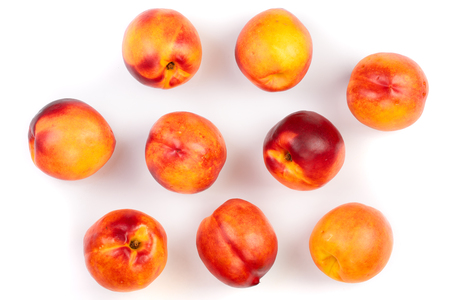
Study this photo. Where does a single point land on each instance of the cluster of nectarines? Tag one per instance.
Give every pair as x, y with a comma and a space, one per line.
126, 249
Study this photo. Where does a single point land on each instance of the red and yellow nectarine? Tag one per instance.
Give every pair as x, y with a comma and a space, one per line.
125, 250
304, 151
387, 91
237, 244
185, 152
161, 48
70, 140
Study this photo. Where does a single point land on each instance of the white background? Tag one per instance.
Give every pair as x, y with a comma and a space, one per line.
58, 49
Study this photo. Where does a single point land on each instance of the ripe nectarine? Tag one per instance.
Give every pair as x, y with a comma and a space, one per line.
304, 151
185, 152
387, 91
70, 140
125, 250
351, 243
274, 50
161, 48
237, 244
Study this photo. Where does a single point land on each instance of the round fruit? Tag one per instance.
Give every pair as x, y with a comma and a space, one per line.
237, 244
161, 48
185, 152
387, 91
351, 243
304, 151
70, 140
125, 250
274, 50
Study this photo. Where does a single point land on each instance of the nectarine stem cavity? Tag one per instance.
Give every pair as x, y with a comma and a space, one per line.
134, 244
170, 66
288, 156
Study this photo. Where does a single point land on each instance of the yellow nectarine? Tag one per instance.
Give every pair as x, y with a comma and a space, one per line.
68, 139
351, 243
161, 48
274, 50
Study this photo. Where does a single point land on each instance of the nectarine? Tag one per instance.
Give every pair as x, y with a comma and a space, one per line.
185, 152
304, 151
125, 250
161, 48
237, 244
274, 50
68, 139
351, 243
387, 91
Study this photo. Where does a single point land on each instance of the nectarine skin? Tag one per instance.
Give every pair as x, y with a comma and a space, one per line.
304, 151
274, 50
70, 140
125, 250
161, 48
237, 244
185, 152
387, 91
351, 243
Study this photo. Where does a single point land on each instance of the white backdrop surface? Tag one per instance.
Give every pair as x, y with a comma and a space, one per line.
59, 49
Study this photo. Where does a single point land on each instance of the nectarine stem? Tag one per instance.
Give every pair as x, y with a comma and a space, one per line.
288, 157
170, 66
134, 244
255, 281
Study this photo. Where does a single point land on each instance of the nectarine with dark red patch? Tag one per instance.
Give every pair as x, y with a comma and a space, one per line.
304, 151
69, 139
125, 250
161, 48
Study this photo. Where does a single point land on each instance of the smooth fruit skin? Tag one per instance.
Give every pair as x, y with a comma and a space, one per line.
237, 244
304, 151
185, 152
70, 140
351, 243
274, 50
161, 48
387, 91
125, 250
